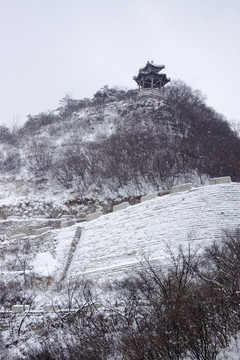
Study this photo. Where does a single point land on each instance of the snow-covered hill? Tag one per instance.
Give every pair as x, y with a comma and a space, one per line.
90, 155
116, 145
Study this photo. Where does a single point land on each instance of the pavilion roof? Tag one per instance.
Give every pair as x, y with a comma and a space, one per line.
149, 67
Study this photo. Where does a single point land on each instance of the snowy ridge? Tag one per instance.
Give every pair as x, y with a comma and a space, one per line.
117, 241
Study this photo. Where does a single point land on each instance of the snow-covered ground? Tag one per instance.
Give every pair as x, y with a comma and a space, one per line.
119, 240
52, 261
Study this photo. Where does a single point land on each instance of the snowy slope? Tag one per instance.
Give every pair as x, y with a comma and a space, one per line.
51, 261
116, 241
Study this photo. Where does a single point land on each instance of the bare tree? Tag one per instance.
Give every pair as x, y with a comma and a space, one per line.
40, 158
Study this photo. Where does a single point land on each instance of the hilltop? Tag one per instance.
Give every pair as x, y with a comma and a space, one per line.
114, 146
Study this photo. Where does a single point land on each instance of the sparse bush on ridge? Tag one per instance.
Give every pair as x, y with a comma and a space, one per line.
6, 136
38, 123
11, 162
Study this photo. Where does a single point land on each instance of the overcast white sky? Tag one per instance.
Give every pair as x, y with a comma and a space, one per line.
50, 48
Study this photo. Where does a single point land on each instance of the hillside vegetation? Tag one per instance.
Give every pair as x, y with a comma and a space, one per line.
189, 311
119, 145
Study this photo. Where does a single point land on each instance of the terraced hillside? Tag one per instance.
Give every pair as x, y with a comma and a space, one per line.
117, 241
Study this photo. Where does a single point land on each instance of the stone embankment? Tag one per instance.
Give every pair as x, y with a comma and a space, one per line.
118, 241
